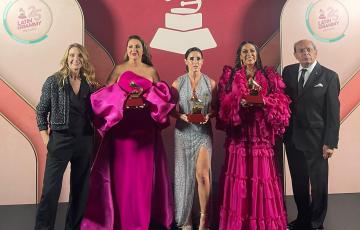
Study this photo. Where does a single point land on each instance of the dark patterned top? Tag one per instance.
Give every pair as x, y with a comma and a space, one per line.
53, 107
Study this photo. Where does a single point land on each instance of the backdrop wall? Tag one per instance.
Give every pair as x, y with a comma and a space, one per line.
30, 53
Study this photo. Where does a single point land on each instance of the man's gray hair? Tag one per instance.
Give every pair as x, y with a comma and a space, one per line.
302, 40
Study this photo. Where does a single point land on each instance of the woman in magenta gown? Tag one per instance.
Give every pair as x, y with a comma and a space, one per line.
252, 196
129, 183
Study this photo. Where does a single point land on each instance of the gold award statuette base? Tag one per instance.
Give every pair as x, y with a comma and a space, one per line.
195, 118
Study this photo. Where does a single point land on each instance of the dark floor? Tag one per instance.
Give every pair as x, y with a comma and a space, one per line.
343, 214
343, 211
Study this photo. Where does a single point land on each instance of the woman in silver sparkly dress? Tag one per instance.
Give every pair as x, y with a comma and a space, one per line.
194, 93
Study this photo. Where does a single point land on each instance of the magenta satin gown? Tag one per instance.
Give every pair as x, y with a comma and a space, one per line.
251, 193
129, 183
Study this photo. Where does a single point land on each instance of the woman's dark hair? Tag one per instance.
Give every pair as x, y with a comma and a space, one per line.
192, 49
146, 57
239, 65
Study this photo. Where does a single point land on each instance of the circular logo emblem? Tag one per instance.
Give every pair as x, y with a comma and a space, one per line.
27, 21
327, 20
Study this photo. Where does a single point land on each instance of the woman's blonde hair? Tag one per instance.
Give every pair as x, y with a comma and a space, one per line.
87, 70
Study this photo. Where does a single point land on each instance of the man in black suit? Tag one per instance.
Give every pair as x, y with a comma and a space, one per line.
313, 133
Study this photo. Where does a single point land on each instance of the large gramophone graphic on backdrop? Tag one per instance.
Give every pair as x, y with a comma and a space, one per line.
183, 30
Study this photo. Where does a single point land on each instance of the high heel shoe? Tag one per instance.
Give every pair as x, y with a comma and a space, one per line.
203, 221
187, 227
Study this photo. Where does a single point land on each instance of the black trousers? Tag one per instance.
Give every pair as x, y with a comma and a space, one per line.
63, 148
309, 169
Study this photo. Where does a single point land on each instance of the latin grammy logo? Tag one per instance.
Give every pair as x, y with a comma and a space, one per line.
183, 29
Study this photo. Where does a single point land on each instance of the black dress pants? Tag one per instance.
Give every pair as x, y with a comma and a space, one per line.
63, 148
309, 169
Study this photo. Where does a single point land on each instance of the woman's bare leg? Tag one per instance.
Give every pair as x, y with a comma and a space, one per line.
203, 165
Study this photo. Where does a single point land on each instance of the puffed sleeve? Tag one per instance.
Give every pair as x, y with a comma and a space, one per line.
107, 104
229, 99
277, 111
160, 103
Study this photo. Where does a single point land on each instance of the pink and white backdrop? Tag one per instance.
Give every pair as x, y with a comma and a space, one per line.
35, 33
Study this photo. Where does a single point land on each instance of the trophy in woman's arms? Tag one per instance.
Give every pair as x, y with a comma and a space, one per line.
197, 109
254, 96
183, 30
134, 99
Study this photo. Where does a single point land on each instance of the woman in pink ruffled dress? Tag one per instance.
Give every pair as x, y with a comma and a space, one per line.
252, 196
129, 183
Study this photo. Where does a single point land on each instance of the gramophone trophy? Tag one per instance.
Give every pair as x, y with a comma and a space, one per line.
197, 108
183, 29
134, 99
254, 98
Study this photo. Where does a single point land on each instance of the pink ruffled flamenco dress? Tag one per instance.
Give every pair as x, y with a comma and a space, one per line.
252, 198
129, 183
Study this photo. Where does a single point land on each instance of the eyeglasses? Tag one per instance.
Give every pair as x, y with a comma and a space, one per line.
307, 49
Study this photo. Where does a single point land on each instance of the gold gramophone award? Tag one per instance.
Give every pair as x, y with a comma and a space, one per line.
254, 97
197, 108
134, 99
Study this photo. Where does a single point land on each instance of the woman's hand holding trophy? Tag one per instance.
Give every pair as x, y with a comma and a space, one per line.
254, 97
197, 107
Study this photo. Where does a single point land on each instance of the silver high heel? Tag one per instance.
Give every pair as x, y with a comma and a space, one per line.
203, 215
187, 227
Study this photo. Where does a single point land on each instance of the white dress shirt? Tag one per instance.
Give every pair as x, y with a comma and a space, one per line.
307, 73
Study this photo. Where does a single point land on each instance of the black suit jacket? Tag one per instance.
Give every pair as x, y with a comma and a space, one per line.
315, 118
